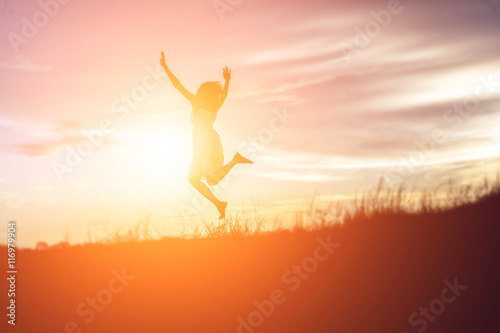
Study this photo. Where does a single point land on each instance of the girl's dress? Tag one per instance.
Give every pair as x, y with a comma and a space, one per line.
208, 155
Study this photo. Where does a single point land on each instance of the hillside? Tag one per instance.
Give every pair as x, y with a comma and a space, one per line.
375, 274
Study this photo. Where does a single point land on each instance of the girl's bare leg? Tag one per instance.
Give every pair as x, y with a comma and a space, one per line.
216, 177
205, 191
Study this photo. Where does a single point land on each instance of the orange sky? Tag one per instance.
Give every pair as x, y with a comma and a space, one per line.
326, 97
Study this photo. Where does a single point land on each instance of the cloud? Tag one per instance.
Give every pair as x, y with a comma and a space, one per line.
41, 139
10, 201
21, 63
79, 185
35, 149
296, 176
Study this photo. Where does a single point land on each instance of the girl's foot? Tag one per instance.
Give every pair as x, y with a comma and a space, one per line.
240, 159
221, 207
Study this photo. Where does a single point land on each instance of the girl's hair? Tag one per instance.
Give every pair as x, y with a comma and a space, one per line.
209, 93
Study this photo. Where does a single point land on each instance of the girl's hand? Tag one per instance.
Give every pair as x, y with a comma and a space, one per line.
226, 72
162, 60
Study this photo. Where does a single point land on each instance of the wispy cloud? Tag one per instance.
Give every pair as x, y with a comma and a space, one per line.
35, 149
20, 63
34, 139
10, 201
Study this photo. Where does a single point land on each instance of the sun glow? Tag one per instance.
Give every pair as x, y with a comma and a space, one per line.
159, 151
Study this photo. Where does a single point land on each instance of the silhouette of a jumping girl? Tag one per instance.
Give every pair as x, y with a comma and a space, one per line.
208, 157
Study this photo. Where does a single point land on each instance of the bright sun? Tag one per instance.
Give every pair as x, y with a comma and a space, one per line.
160, 151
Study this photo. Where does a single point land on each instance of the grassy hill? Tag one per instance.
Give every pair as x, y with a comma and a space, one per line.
382, 270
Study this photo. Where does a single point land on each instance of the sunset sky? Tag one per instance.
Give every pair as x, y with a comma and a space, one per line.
325, 98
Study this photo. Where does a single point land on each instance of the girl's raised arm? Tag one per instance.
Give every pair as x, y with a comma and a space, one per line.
226, 72
175, 81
